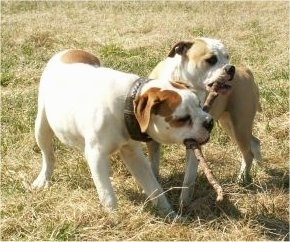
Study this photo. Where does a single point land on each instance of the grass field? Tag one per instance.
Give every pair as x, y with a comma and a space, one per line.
133, 37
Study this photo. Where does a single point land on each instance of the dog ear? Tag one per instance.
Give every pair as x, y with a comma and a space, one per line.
143, 107
180, 48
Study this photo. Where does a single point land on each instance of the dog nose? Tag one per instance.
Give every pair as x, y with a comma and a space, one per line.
208, 123
230, 70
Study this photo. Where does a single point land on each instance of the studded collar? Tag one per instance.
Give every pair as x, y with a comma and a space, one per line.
131, 122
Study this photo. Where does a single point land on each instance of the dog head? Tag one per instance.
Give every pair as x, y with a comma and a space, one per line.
202, 62
172, 115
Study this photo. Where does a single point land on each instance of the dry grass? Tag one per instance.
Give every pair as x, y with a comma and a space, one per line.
134, 37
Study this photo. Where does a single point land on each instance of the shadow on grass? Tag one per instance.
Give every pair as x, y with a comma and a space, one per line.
274, 227
203, 206
278, 179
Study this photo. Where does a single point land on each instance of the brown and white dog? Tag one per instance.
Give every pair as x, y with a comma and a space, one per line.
88, 106
199, 63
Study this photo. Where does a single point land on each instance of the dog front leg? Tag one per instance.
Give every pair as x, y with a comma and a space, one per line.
189, 178
99, 167
154, 156
139, 167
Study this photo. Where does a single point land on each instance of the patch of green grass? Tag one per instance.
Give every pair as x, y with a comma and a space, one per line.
66, 231
136, 60
18, 7
275, 99
7, 74
17, 120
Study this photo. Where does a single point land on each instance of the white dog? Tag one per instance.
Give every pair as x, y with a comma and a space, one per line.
101, 110
199, 63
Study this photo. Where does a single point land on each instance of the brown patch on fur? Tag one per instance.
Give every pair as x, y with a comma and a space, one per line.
80, 56
168, 101
155, 101
195, 51
198, 51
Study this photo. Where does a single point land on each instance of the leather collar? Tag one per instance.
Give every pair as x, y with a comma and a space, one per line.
131, 122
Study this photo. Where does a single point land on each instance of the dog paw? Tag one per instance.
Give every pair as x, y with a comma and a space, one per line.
244, 179
109, 203
186, 196
174, 217
40, 182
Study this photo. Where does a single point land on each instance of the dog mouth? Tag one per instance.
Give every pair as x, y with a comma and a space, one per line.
193, 143
220, 82
219, 87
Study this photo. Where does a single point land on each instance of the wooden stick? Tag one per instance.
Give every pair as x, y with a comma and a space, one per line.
215, 89
209, 101
197, 150
209, 175
190, 144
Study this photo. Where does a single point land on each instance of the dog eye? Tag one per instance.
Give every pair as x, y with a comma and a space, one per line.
184, 119
211, 60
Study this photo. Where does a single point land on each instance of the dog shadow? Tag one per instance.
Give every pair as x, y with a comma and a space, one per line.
277, 179
203, 205
274, 227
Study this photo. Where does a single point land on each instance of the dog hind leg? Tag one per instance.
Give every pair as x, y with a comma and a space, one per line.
256, 149
44, 139
244, 177
241, 134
